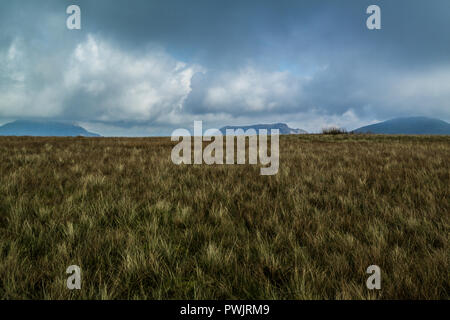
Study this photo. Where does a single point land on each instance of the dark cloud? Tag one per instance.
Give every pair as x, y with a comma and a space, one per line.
165, 63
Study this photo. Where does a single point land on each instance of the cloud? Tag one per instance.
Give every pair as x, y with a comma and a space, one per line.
20, 94
378, 90
425, 91
164, 64
95, 82
244, 91
115, 85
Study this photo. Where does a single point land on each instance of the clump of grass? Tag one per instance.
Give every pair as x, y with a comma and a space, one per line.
141, 227
334, 130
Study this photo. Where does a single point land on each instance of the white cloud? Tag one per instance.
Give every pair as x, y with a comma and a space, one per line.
126, 86
97, 81
250, 89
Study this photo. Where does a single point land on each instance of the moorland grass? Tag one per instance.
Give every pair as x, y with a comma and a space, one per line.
141, 227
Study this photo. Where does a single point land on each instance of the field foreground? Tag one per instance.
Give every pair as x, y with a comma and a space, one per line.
141, 227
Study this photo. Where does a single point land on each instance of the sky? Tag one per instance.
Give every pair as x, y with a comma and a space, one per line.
147, 67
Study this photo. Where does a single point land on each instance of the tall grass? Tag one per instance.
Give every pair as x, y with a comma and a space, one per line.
141, 227
334, 130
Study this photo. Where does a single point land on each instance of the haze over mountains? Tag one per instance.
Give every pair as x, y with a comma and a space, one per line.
282, 127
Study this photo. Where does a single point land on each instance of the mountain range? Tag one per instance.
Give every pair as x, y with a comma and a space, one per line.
407, 125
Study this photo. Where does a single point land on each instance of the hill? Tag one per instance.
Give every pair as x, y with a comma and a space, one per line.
410, 125
44, 129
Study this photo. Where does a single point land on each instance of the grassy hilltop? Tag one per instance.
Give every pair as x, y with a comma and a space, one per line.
141, 227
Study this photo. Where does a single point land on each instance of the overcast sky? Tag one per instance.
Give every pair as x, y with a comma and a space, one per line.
146, 67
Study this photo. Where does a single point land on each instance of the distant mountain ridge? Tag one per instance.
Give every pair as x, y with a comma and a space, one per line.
408, 125
282, 127
44, 129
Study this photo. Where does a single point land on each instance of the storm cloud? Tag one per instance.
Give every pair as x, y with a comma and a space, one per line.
147, 67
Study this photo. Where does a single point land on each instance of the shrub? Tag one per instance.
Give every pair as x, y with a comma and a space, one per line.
334, 130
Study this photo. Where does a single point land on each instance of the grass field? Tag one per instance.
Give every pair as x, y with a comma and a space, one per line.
141, 227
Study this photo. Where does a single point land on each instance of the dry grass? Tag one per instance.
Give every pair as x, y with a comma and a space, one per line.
142, 228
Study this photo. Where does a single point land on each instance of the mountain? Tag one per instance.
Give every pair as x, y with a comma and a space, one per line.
44, 129
411, 125
282, 127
